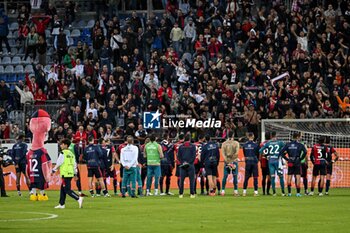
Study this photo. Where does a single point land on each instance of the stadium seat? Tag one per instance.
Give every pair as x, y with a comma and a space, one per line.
67, 32
75, 33
12, 78
3, 77
71, 41
14, 51
2, 69
81, 24
27, 61
47, 68
13, 26
16, 60
6, 61
20, 77
12, 43
10, 35
19, 69
47, 33
29, 69
9, 69
90, 24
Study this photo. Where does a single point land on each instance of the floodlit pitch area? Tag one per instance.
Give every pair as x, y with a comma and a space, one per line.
171, 214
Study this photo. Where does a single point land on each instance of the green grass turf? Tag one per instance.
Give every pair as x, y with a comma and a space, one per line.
171, 214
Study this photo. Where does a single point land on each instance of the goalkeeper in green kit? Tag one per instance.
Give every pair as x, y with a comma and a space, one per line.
271, 150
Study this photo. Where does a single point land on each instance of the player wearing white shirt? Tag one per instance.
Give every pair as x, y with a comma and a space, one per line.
128, 158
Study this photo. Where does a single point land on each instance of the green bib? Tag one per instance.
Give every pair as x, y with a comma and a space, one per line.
67, 168
153, 157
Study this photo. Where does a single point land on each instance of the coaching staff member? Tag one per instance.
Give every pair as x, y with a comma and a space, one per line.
186, 156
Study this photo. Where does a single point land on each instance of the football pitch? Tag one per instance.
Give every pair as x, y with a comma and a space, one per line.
171, 214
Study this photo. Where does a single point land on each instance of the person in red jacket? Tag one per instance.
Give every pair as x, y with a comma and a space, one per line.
214, 47
41, 24
91, 132
40, 97
165, 93
80, 137
30, 82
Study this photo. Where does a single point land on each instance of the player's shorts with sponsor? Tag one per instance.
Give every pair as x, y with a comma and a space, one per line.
329, 168
304, 168
177, 172
319, 169
21, 168
39, 183
251, 169
294, 169
166, 170
197, 168
109, 173
265, 171
95, 171
211, 169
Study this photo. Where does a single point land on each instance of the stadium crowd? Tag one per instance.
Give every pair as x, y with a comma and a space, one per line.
236, 61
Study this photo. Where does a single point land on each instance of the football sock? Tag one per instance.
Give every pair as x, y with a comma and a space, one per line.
42, 192
282, 183
18, 188
115, 185
263, 184
305, 183
105, 191
289, 188
91, 191
298, 189
273, 184
167, 184
268, 186
255, 183
202, 184
328, 184
161, 180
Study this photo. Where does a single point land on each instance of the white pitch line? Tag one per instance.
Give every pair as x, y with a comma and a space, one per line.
50, 216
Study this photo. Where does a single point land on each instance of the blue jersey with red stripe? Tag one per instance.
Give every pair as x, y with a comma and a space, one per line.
38, 164
92, 155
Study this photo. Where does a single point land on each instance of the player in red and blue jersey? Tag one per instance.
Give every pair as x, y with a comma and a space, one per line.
121, 168
210, 156
251, 155
264, 165
177, 162
18, 154
38, 170
198, 165
330, 152
167, 165
296, 153
319, 160
92, 156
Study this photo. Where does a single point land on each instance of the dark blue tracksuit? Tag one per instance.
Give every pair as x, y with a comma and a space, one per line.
210, 157
92, 155
296, 152
19, 151
251, 154
187, 154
